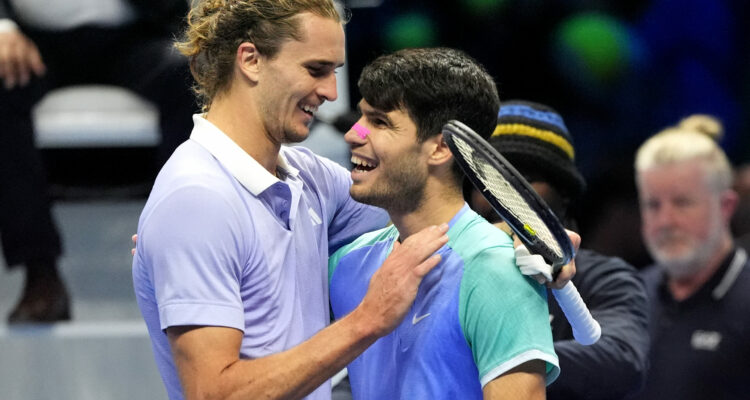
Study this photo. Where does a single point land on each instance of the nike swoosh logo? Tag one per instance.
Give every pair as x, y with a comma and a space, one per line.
416, 319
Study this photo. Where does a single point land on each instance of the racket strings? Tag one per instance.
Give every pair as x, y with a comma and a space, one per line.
505, 194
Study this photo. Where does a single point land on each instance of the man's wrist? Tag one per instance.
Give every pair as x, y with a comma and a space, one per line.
363, 325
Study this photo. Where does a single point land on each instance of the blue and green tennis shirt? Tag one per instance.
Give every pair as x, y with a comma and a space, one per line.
475, 316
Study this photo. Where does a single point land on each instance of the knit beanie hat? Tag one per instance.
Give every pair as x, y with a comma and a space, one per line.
533, 137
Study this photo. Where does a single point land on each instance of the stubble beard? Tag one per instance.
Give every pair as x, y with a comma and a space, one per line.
399, 191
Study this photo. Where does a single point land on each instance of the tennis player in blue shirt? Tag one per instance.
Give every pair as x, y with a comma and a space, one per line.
478, 328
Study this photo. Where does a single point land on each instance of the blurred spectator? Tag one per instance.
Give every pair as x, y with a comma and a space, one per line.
534, 138
45, 45
677, 58
699, 286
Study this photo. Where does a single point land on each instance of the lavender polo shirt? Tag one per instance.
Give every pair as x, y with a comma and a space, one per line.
222, 242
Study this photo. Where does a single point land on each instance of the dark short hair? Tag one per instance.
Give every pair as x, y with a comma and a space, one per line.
433, 85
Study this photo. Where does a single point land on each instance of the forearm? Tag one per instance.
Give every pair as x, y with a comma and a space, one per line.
207, 357
300, 370
291, 374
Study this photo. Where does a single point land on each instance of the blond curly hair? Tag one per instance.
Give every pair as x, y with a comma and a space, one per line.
217, 27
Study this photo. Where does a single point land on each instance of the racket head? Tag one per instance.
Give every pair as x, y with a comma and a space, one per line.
509, 194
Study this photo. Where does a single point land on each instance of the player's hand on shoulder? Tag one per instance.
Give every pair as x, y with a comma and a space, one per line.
393, 287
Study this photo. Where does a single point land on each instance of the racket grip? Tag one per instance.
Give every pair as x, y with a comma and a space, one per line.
586, 330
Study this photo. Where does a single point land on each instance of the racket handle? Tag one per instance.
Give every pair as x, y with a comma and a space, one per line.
586, 330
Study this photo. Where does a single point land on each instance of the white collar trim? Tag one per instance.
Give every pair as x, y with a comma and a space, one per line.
241, 165
738, 261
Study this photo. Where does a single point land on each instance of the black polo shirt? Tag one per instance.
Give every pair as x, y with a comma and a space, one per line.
700, 347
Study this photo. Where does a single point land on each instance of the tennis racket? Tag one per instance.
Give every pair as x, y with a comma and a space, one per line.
526, 214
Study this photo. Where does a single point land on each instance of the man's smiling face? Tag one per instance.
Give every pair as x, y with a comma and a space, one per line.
390, 166
300, 78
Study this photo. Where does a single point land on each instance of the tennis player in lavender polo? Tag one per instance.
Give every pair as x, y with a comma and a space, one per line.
229, 270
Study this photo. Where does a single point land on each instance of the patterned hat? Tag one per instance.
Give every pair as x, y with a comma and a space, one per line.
533, 137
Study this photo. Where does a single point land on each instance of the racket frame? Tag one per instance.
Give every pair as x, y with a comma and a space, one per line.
517, 182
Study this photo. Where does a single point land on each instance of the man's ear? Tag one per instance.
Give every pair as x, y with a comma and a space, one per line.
440, 153
728, 200
248, 61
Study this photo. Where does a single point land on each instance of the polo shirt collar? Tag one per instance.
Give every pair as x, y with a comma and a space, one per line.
732, 270
241, 165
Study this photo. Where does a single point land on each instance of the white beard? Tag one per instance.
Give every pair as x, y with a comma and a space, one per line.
689, 262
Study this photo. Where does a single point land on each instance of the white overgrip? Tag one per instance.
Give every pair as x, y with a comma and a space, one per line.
586, 330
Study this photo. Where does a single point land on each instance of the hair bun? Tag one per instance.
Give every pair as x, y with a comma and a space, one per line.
703, 123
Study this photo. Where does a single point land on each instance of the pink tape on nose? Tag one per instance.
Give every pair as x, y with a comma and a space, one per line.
362, 132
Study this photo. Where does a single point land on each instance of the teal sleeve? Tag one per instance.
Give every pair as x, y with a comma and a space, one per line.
504, 316
367, 239
333, 259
